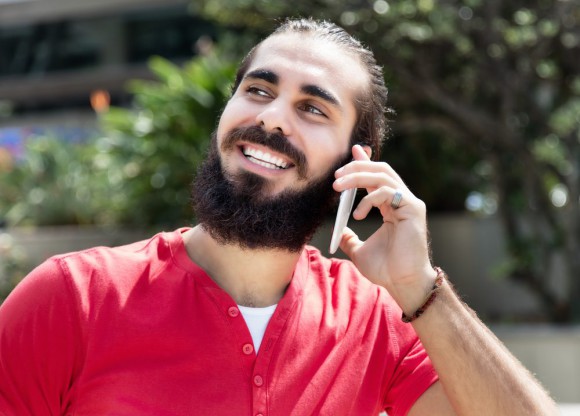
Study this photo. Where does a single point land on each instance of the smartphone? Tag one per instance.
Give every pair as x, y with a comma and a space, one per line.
344, 208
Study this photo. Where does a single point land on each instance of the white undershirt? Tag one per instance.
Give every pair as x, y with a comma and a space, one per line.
257, 320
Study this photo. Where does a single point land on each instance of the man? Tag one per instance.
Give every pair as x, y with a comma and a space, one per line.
237, 315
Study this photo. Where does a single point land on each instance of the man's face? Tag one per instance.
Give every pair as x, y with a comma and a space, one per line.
267, 181
303, 88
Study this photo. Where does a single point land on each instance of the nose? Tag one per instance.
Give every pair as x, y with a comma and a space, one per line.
275, 119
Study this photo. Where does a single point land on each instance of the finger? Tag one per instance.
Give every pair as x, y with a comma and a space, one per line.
359, 165
349, 242
383, 197
360, 153
368, 180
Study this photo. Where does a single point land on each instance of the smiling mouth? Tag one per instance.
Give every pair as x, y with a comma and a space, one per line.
265, 159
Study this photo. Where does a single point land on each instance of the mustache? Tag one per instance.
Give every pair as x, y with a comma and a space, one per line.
274, 141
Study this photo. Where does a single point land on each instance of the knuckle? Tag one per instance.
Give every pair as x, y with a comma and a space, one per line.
421, 205
382, 177
385, 190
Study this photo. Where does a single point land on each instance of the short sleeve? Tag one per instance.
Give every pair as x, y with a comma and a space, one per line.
39, 344
413, 373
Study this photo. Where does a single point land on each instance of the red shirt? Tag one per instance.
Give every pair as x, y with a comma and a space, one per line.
142, 330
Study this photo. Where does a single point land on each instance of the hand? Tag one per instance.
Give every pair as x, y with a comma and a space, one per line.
396, 256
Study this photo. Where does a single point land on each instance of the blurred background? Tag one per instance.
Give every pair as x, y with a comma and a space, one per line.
106, 107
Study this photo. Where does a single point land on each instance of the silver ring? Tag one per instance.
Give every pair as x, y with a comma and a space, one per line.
397, 198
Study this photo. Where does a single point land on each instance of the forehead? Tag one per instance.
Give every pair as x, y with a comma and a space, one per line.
312, 60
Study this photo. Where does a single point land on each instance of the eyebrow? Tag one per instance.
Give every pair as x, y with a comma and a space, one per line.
264, 74
316, 91
312, 90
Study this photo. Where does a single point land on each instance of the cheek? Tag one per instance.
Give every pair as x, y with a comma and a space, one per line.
232, 115
329, 145
323, 157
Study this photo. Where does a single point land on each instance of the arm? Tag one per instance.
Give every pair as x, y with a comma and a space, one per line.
477, 373
39, 335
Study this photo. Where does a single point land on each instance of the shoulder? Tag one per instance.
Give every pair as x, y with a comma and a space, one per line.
330, 266
342, 278
101, 257
120, 267
135, 258
339, 271
98, 275
339, 285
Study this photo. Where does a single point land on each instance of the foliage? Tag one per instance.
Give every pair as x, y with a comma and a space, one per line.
497, 82
139, 172
153, 148
54, 184
13, 265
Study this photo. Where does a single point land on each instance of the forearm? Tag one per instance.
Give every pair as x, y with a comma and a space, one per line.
478, 373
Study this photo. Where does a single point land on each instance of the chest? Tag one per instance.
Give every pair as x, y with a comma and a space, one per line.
199, 359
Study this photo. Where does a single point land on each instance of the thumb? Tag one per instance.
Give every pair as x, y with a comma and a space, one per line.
350, 242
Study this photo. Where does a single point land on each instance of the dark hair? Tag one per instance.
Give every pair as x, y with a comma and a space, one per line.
370, 128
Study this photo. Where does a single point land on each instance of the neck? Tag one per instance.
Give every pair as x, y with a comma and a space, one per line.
255, 278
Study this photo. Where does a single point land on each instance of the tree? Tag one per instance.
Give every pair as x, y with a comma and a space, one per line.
139, 171
497, 83
152, 149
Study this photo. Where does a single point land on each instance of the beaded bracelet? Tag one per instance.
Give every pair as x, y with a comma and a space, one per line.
430, 299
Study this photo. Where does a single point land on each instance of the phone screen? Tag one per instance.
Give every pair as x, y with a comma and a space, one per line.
344, 208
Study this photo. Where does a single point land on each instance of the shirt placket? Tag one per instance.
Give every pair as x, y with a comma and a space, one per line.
258, 365
257, 378
273, 335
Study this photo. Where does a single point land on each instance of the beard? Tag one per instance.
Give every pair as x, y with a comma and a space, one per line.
234, 209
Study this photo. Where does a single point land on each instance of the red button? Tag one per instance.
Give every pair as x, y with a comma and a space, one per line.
258, 381
233, 311
259, 414
248, 349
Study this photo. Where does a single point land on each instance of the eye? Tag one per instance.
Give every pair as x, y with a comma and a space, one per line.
257, 91
312, 109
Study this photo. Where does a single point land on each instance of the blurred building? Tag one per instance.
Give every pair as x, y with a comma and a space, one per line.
60, 60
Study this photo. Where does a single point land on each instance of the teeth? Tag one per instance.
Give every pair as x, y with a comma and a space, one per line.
264, 158
262, 163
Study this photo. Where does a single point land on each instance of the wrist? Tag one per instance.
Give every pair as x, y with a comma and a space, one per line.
412, 294
407, 318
